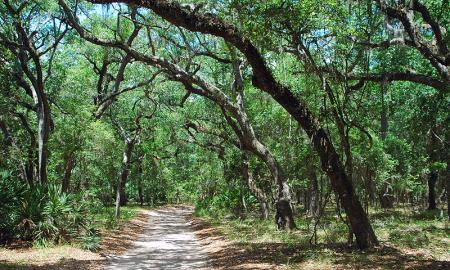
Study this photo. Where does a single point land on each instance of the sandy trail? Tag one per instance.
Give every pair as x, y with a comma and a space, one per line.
168, 243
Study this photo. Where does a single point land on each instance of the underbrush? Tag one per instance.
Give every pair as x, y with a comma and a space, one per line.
398, 231
47, 216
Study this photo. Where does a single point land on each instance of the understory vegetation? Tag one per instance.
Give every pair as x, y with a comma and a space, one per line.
48, 217
304, 123
322, 246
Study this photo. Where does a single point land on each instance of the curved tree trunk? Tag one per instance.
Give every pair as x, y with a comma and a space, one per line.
284, 214
265, 81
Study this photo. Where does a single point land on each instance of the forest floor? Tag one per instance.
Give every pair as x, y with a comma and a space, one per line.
161, 238
174, 238
115, 241
407, 241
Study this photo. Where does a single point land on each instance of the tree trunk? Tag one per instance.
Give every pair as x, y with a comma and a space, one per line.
141, 194
43, 114
432, 179
123, 176
284, 214
386, 198
448, 190
313, 208
433, 176
254, 189
68, 167
123, 195
140, 184
298, 197
384, 124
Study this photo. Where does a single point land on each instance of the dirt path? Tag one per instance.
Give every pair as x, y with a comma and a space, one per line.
168, 243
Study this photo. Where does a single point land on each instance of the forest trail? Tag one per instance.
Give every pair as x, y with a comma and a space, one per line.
168, 243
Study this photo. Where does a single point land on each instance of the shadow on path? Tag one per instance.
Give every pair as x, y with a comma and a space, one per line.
168, 243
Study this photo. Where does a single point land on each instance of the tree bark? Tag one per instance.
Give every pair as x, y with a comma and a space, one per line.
386, 198
447, 186
123, 176
130, 142
255, 190
69, 164
43, 134
432, 179
284, 215
140, 184
314, 206
433, 176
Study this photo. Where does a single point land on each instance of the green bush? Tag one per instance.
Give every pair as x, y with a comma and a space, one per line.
91, 239
46, 215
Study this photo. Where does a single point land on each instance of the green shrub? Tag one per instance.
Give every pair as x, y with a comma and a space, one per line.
31, 211
91, 239
45, 215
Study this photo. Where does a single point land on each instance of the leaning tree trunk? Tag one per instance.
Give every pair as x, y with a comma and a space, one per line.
247, 137
284, 214
264, 80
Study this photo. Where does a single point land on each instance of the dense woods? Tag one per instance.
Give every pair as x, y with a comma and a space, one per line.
291, 111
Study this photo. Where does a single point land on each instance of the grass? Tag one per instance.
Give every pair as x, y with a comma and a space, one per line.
408, 239
105, 219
